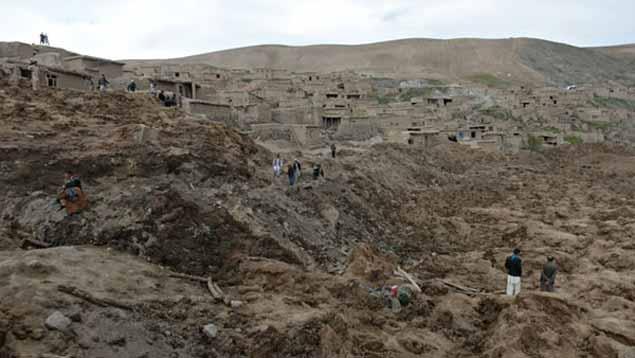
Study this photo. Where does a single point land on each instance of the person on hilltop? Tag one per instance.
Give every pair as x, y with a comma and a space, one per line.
548, 275
514, 266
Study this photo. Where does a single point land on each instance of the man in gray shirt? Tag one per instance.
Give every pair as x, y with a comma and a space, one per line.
548, 275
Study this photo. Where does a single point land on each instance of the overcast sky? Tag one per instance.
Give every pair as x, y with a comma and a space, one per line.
123, 29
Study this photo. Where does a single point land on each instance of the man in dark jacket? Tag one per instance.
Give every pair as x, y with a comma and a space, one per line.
333, 150
514, 266
103, 83
548, 275
291, 174
132, 86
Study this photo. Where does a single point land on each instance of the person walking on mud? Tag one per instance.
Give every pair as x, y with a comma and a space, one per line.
333, 150
277, 166
297, 170
548, 275
291, 174
514, 266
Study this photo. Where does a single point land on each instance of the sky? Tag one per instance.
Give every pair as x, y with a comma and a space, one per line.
120, 29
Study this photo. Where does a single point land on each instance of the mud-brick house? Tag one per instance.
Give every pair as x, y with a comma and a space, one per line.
95, 65
62, 78
424, 137
212, 111
187, 89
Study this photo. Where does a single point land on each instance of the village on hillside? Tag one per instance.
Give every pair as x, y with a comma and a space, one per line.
304, 111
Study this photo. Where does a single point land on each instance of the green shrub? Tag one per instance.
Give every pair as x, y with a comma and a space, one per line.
489, 80
611, 102
573, 139
599, 125
534, 143
497, 112
552, 130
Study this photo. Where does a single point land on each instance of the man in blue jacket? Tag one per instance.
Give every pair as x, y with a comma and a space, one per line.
514, 266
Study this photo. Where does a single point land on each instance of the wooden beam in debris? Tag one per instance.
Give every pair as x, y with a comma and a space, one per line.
34, 243
408, 277
464, 289
188, 277
87, 296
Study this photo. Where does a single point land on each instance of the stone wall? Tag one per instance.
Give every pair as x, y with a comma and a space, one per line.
357, 129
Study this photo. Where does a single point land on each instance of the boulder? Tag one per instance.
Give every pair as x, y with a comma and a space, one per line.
210, 330
57, 321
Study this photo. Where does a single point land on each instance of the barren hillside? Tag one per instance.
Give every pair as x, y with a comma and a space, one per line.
624, 52
515, 60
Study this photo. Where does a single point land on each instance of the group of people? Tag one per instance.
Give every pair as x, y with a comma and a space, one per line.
514, 266
294, 170
168, 100
44, 39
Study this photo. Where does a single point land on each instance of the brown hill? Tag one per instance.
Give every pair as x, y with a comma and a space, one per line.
622, 52
511, 60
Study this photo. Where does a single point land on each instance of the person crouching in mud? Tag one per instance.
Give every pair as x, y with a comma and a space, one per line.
71, 196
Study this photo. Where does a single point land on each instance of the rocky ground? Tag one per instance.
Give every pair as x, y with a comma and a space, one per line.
172, 195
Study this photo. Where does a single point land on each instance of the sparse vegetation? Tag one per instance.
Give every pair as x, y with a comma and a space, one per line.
384, 99
489, 80
599, 125
534, 143
497, 112
552, 130
612, 102
434, 82
410, 93
573, 139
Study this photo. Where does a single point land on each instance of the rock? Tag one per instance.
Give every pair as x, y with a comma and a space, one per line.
58, 321
85, 342
210, 330
76, 316
38, 334
117, 340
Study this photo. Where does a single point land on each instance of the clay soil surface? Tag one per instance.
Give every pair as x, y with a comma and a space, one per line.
173, 195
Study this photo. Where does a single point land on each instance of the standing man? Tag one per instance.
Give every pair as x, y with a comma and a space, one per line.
291, 174
35, 75
103, 83
333, 149
297, 170
514, 266
548, 275
277, 166
317, 171
132, 86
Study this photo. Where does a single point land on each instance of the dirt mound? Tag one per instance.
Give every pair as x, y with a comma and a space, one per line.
170, 193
